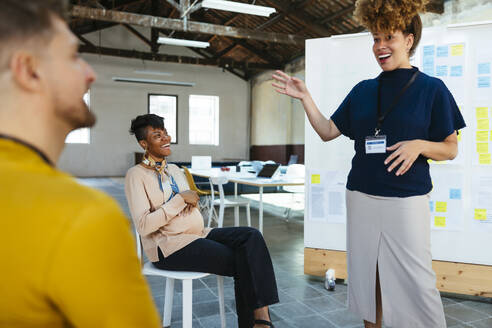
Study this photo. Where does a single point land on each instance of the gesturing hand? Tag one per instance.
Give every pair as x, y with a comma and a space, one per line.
290, 86
190, 197
405, 153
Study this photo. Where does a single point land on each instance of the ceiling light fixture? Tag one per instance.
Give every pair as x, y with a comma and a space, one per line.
183, 43
238, 7
148, 81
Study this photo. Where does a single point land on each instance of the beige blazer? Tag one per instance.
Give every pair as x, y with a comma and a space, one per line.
161, 223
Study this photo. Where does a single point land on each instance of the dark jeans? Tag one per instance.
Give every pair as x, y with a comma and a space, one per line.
238, 252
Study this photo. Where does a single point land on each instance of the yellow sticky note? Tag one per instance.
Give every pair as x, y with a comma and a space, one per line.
482, 112
441, 206
482, 135
484, 158
480, 214
490, 135
315, 179
457, 50
482, 147
440, 221
459, 136
482, 124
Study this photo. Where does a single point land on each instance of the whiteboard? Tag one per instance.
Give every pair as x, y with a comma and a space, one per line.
335, 65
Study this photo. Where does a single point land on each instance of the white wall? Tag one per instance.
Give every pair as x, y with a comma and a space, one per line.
276, 119
110, 152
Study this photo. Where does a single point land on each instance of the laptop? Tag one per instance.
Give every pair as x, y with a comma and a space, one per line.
201, 162
268, 171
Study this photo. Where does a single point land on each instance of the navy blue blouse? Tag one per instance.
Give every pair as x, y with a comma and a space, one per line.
426, 110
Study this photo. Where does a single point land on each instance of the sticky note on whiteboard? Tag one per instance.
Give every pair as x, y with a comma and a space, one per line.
441, 206
454, 193
482, 112
457, 49
482, 147
483, 124
440, 221
480, 214
484, 158
315, 178
482, 135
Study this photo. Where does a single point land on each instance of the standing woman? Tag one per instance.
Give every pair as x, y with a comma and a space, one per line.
388, 230
165, 214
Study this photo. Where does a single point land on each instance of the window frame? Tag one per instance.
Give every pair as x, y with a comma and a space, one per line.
175, 142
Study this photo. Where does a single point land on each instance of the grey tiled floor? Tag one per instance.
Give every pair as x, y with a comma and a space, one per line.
303, 300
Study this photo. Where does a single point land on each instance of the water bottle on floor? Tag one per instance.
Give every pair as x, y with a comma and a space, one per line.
330, 280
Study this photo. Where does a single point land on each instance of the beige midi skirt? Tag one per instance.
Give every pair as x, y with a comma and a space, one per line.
393, 234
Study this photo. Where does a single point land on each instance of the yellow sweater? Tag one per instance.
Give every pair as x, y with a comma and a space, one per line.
67, 255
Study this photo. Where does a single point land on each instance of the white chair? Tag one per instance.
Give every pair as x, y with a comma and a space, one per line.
186, 277
294, 171
223, 203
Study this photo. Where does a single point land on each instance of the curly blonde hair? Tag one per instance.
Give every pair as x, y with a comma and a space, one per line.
391, 16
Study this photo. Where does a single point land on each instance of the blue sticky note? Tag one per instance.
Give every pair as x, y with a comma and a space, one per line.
457, 70
428, 65
428, 51
484, 81
431, 206
442, 51
442, 70
429, 70
484, 68
454, 193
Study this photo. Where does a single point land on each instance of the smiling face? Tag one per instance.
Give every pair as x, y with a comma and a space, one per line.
157, 143
392, 49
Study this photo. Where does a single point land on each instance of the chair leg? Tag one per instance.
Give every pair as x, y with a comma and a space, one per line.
187, 302
221, 216
168, 302
248, 215
236, 216
220, 290
211, 209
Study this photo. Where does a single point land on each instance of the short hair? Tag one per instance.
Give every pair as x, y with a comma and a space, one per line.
142, 122
24, 20
391, 16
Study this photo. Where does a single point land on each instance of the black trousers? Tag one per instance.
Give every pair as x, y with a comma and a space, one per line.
238, 252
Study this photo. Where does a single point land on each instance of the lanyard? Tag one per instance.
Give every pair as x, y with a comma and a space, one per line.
37, 151
382, 116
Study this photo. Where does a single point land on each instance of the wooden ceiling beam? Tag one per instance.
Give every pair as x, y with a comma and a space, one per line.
226, 67
302, 19
178, 25
138, 34
222, 62
257, 52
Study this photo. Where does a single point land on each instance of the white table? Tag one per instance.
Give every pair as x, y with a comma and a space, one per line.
251, 180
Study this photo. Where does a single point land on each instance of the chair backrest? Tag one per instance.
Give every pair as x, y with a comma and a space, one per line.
220, 182
296, 171
189, 178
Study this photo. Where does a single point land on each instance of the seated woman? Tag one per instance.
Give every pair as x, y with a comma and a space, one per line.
171, 227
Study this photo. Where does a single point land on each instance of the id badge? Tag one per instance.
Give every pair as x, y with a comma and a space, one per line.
375, 145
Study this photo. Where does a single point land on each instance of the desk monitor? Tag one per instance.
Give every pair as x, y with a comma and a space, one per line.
201, 162
268, 170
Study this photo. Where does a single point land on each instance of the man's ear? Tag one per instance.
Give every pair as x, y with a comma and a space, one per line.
143, 144
24, 67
